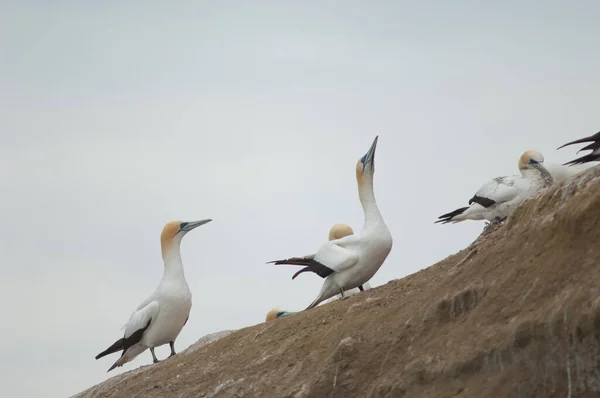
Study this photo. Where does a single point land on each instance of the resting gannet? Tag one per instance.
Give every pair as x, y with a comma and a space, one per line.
159, 319
276, 313
594, 147
351, 261
497, 198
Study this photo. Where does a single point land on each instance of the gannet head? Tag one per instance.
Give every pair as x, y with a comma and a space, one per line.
275, 313
338, 231
533, 160
175, 230
365, 167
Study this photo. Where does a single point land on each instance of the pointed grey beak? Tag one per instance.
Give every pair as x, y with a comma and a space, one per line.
370, 156
542, 169
188, 226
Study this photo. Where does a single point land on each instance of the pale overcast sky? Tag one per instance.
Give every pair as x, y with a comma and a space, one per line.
118, 117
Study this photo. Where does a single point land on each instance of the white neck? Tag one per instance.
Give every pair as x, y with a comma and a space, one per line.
536, 175
367, 200
172, 260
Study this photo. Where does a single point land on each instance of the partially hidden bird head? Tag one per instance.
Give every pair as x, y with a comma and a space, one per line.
175, 230
365, 167
339, 231
276, 313
534, 160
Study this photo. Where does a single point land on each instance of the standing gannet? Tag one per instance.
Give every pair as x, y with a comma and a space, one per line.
351, 261
594, 147
160, 318
498, 197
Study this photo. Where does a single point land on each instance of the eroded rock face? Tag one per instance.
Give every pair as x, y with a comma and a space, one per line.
516, 314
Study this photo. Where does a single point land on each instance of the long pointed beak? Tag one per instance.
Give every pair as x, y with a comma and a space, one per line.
370, 155
193, 224
542, 169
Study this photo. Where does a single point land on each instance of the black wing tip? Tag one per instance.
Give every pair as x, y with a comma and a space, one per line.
583, 159
446, 218
590, 138
112, 367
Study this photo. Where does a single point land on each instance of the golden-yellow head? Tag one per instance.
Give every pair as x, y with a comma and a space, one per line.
365, 167
272, 315
530, 157
338, 231
173, 231
531, 160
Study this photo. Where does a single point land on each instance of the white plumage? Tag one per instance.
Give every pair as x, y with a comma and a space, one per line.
158, 320
497, 198
350, 261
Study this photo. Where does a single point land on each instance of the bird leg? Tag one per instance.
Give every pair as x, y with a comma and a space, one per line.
361, 288
172, 344
154, 359
342, 293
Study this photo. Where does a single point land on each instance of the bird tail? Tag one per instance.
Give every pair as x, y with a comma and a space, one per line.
309, 264
592, 157
117, 346
448, 217
292, 261
327, 291
128, 355
581, 140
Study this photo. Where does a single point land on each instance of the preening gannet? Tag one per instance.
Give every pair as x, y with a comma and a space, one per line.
496, 199
594, 147
351, 261
159, 319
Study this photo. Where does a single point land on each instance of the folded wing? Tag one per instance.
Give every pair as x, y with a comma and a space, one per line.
498, 190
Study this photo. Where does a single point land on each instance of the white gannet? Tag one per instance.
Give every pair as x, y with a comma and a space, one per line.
594, 147
496, 199
339, 231
159, 319
336, 232
351, 261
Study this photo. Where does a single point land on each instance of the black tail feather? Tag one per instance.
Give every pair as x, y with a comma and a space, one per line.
446, 218
117, 346
309, 264
591, 138
584, 159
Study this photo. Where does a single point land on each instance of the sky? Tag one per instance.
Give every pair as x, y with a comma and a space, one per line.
117, 117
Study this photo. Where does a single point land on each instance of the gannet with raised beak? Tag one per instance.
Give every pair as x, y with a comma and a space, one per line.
351, 261
594, 147
496, 199
159, 319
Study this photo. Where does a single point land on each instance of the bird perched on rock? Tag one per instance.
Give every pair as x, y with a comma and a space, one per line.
338, 231
497, 198
159, 319
351, 261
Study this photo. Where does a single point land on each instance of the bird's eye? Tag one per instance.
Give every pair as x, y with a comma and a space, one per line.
183, 225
